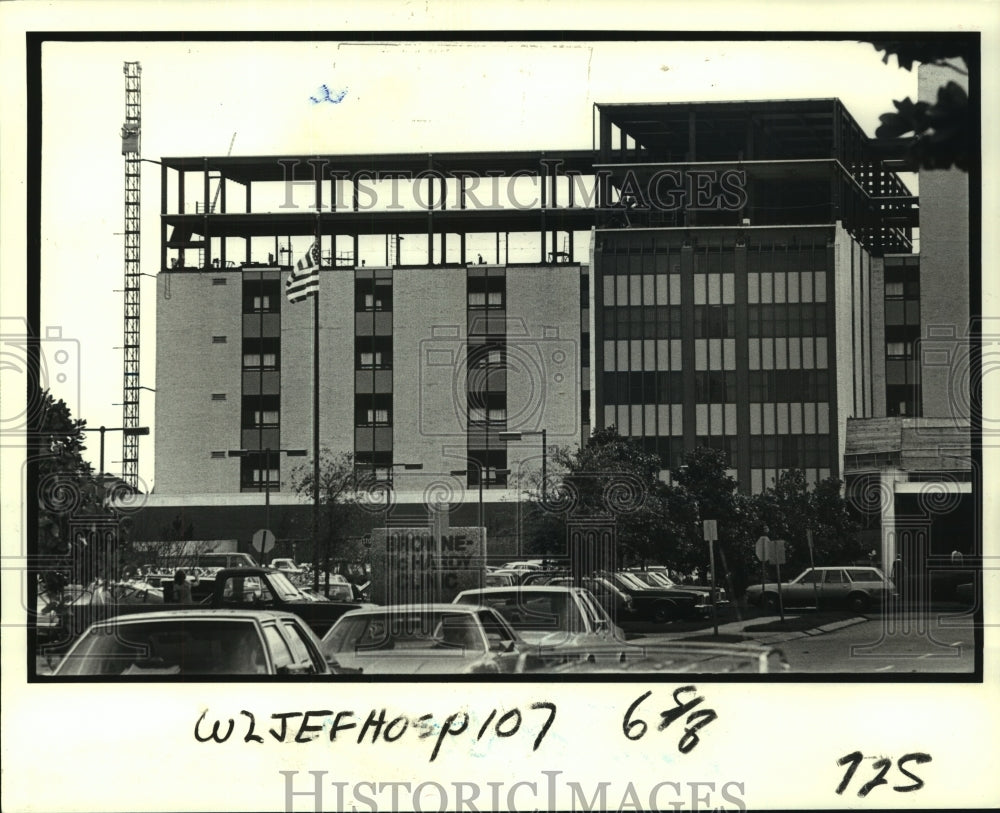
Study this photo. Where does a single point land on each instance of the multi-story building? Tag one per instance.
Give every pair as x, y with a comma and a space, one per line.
914, 473
737, 274
737, 279
428, 352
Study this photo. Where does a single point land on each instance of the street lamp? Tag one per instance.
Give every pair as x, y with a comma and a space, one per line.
267, 478
515, 436
127, 430
482, 472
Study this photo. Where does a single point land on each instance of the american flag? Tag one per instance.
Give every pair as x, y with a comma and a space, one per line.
304, 281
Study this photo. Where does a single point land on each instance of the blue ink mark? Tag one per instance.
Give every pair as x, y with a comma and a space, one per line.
328, 96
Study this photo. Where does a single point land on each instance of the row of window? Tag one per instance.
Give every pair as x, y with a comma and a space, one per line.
660, 322
786, 320
790, 451
789, 386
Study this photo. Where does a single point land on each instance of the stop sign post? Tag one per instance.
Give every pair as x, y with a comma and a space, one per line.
264, 540
771, 550
710, 530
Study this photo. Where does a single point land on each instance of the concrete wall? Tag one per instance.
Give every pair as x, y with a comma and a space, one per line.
944, 275
190, 368
855, 344
336, 348
429, 381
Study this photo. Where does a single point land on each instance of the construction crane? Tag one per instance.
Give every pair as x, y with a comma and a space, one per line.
130, 387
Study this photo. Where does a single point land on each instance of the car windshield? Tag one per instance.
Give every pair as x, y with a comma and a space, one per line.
179, 646
284, 589
535, 610
444, 631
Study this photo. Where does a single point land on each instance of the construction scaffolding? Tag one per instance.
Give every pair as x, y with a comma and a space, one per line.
130, 365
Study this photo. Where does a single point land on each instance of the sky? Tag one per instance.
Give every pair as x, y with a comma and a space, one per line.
397, 97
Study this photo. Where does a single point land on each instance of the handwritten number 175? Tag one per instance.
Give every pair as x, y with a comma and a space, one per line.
881, 767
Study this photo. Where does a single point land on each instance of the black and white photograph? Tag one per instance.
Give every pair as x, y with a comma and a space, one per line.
401, 413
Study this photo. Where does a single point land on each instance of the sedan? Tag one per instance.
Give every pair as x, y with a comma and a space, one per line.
422, 638
549, 615
196, 643
857, 588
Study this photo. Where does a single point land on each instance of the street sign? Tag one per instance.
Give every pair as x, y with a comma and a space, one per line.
263, 540
761, 547
710, 528
771, 551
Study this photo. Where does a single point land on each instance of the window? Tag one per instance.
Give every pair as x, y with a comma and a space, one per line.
372, 294
260, 354
893, 289
218, 340
486, 292
373, 410
379, 417
835, 577
258, 472
900, 349
268, 361
268, 417
279, 649
373, 352
261, 295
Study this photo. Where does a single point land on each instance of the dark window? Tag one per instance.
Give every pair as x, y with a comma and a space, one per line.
373, 352
584, 291
261, 411
261, 295
261, 354
493, 463
373, 410
372, 294
487, 292
259, 472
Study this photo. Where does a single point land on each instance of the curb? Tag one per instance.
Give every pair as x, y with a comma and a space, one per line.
778, 638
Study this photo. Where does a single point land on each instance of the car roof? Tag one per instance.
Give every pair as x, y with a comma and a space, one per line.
523, 588
192, 615
381, 609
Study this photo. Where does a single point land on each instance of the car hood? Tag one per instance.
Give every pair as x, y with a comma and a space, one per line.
560, 638
413, 663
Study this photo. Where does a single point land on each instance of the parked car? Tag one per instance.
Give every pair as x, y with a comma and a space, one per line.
663, 658
618, 605
662, 604
422, 639
857, 588
501, 578
196, 642
548, 615
286, 566
246, 588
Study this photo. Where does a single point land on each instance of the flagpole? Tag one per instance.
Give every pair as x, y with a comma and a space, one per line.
315, 416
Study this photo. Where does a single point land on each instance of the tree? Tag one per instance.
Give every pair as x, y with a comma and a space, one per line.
339, 496
72, 501
790, 508
610, 478
701, 489
942, 130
